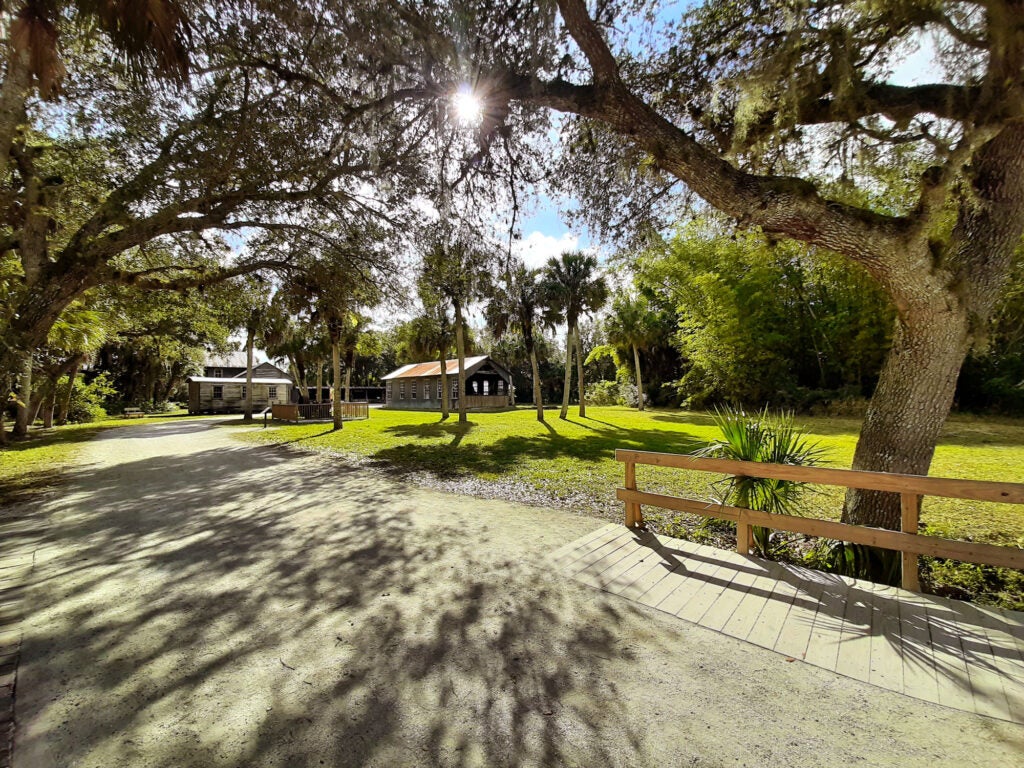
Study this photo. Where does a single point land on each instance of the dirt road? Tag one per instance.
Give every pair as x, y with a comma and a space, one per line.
200, 602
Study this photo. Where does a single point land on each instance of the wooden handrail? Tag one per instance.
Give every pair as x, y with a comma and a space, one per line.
910, 487
954, 488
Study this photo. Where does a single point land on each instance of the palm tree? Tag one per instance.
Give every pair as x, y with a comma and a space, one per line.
517, 306
430, 336
573, 287
631, 326
461, 273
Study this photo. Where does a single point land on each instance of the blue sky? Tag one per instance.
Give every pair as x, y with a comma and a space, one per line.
546, 232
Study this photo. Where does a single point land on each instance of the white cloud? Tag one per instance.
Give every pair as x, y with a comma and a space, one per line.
536, 248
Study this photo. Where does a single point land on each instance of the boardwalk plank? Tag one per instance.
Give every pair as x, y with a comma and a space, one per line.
932, 648
796, 631
566, 550
827, 632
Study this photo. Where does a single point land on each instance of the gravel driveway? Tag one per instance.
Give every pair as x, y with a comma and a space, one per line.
202, 602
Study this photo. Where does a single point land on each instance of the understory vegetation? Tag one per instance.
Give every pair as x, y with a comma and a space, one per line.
570, 463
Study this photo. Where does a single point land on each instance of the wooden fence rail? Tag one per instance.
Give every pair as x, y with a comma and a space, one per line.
911, 488
319, 411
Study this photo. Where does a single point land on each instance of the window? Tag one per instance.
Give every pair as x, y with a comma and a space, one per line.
218, 373
218, 392
412, 390
401, 390
487, 387
272, 392
388, 395
243, 391
426, 390
438, 389
501, 386
455, 389
476, 387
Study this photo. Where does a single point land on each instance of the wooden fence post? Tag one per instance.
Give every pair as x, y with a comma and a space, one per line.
910, 508
744, 530
634, 516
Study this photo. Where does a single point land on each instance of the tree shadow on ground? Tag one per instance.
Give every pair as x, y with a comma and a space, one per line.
456, 458
265, 609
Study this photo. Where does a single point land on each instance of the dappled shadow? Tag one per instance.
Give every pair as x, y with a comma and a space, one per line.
928, 647
246, 606
456, 459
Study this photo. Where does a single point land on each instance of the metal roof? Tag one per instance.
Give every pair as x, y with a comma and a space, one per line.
215, 380
418, 370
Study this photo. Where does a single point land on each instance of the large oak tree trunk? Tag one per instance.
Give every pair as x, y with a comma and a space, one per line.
21, 421
908, 409
568, 373
336, 382
941, 311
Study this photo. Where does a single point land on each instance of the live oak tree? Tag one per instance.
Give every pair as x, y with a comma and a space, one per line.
725, 100
122, 163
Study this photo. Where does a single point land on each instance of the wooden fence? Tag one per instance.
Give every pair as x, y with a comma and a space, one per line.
319, 411
911, 489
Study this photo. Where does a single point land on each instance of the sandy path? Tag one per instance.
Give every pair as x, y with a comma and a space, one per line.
201, 602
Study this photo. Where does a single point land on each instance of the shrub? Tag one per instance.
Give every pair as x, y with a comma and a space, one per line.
603, 393
87, 398
768, 438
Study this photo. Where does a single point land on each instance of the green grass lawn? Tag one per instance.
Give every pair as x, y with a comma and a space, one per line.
571, 463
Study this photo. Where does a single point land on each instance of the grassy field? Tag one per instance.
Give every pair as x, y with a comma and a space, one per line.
570, 464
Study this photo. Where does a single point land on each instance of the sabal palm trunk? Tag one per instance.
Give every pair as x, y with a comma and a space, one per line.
639, 380
319, 381
460, 343
65, 408
348, 383
49, 406
537, 399
445, 408
568, 373
582, 383
336, 382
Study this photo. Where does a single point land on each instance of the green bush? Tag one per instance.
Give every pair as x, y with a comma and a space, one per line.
87, 399
612, 393
764, 437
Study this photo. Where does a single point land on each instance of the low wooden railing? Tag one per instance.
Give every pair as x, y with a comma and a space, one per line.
355, 410
911, 488
322, 411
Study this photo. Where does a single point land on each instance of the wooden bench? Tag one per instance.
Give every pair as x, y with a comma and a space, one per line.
132, 413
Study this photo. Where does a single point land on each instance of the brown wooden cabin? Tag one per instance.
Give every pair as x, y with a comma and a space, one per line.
223, 394
418, 386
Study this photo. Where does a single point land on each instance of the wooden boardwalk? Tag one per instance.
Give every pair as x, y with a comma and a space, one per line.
944, 651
